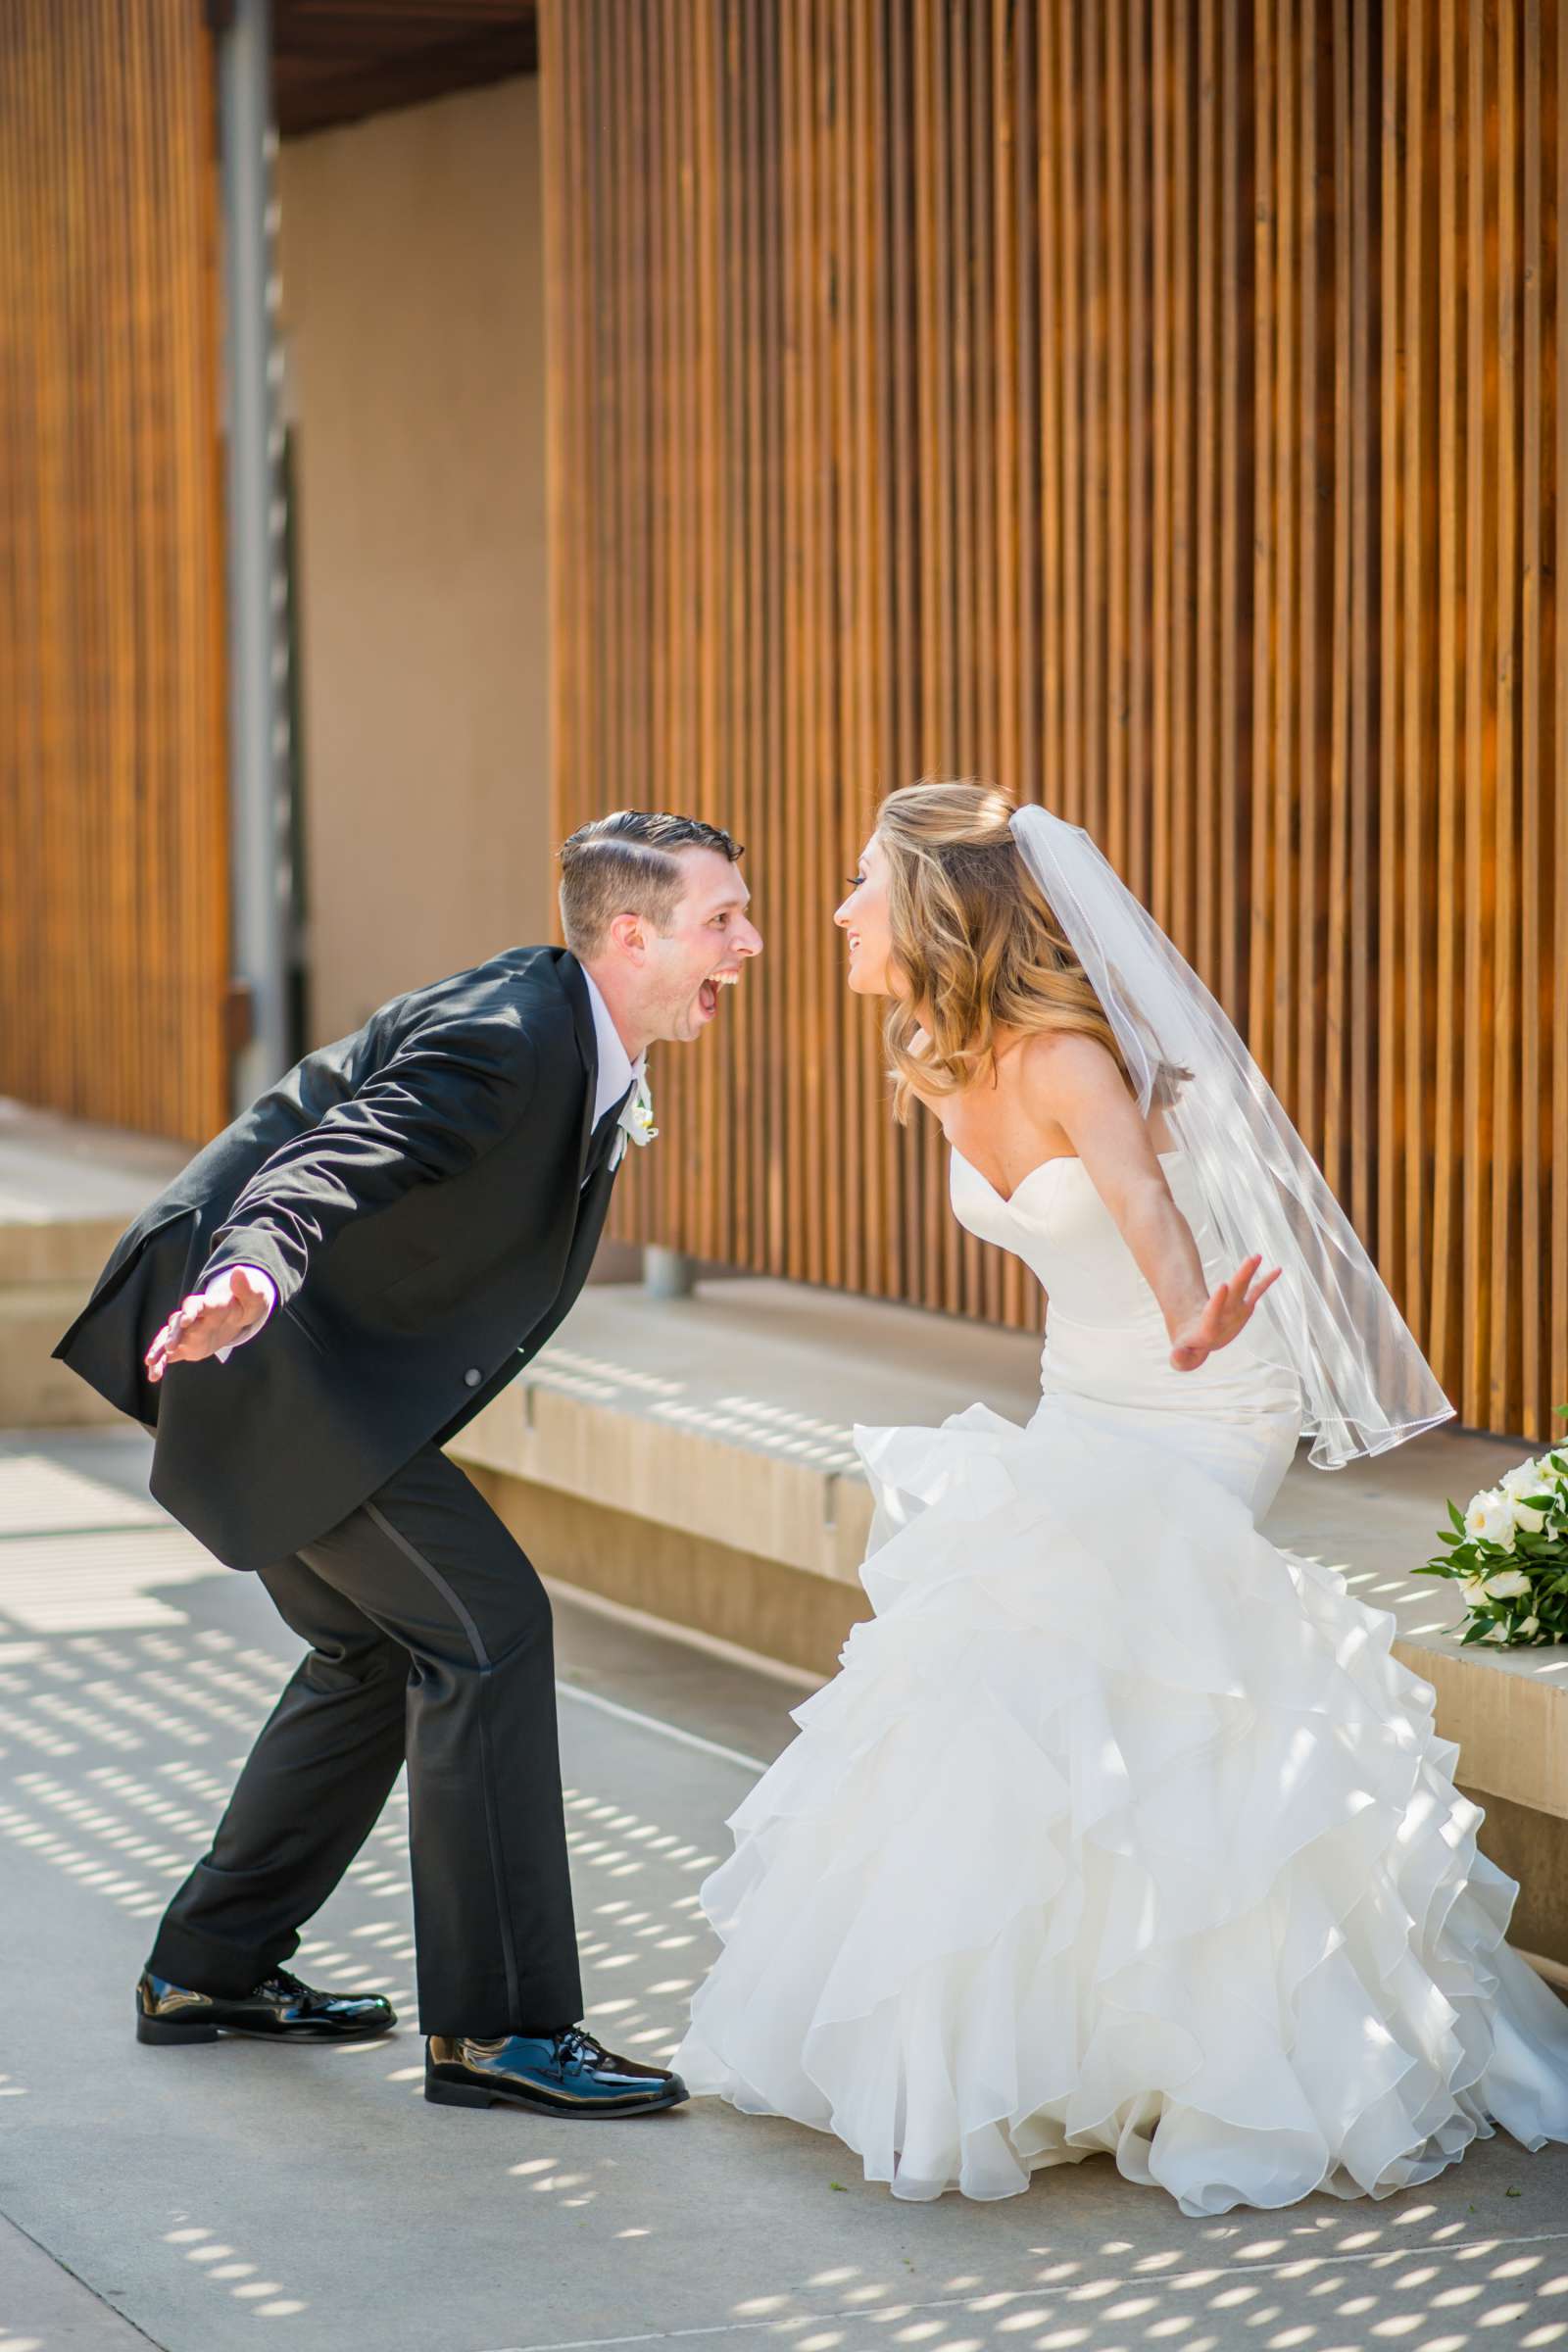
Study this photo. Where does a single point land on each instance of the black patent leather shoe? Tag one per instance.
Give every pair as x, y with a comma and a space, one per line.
280, 2009
551, 2074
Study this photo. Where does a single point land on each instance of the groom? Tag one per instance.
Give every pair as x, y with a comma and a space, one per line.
361, 1262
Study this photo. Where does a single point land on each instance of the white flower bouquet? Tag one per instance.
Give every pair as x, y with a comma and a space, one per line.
1509, 1554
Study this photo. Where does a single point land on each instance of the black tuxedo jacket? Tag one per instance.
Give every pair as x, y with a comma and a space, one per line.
416, 1192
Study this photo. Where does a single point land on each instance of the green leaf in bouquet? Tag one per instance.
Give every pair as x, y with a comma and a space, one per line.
1457, 1517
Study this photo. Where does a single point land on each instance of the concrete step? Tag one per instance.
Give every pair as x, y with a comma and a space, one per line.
68, 1191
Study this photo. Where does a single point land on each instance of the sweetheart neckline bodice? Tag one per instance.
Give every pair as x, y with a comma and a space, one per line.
1057, 1160
1105, 1333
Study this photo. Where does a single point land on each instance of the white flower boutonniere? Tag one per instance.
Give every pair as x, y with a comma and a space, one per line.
636, 1121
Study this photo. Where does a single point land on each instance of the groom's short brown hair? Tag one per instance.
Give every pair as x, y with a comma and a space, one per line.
629, 863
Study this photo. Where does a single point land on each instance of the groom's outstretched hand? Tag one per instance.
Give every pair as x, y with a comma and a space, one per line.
232, 1307
1227, 1310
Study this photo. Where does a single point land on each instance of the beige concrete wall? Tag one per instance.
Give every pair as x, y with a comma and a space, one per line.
412, 302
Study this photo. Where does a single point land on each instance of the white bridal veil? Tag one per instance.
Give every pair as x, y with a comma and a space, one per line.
1365, 1384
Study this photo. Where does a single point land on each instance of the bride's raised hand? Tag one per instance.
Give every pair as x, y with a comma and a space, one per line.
1226, 1311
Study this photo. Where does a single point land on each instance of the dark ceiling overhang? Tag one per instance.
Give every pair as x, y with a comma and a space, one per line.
338, 60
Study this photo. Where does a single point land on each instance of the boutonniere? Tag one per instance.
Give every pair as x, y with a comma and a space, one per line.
636, 1121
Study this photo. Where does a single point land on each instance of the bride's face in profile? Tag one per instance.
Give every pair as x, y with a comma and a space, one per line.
863, 920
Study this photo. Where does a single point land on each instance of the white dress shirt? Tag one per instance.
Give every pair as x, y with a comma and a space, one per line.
616, 1069
617, 1072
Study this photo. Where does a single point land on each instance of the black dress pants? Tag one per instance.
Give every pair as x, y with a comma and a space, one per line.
430, 1640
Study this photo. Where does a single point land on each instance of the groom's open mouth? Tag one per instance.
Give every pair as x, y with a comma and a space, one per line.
708, 994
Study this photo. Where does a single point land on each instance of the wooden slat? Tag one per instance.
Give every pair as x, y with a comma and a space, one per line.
1451, 678
1418, 743
1231, 973
1186, 890
1492, 769
1314, 395
1390, 674
1154, 406
1345, 654
114, 904
1534, 684
1267, 651
1555, 1153
1209, 462
1276, 1024
1356, 1161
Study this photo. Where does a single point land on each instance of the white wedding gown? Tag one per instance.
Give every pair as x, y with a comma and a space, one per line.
1120, 1830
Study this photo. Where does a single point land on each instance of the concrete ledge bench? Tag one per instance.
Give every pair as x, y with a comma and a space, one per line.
68, 1191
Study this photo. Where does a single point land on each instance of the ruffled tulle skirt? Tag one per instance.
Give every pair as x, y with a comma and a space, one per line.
1119, 1831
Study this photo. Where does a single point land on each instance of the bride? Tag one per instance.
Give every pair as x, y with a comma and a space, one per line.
1120, 1830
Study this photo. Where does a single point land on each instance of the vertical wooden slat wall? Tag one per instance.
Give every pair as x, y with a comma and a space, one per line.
1152, 407
113, 825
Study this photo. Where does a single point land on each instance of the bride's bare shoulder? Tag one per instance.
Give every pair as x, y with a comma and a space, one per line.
1066, 1062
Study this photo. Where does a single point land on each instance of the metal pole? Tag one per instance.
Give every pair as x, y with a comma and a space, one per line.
259, 848
667, 1273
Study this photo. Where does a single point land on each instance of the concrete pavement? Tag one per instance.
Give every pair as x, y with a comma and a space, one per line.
204, 2198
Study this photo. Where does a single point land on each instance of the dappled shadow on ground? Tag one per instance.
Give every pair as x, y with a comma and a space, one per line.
1315, 2284
128, 1695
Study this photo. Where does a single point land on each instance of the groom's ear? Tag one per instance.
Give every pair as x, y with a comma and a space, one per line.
629, 934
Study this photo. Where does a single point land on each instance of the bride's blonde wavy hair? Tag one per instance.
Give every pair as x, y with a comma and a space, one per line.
975, 942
